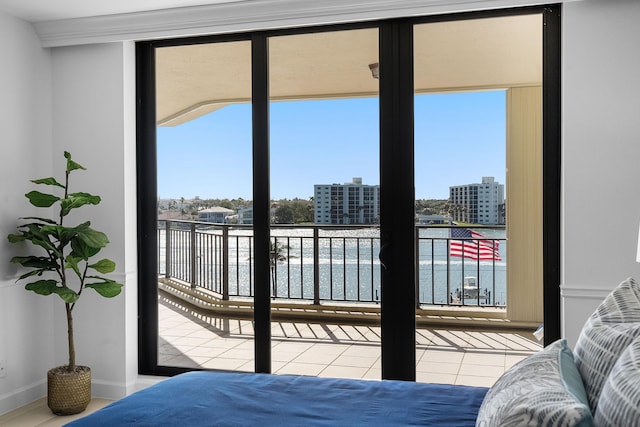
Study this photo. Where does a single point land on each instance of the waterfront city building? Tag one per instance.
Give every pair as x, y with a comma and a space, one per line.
478, 203
245, 216
349, 203
217, 215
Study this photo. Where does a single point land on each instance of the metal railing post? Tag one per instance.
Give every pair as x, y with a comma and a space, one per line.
316, 266
478, 277
167, 249
193, 255
417, 261
449, 293
225, 263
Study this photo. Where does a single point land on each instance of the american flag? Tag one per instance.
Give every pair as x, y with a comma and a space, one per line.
483, 249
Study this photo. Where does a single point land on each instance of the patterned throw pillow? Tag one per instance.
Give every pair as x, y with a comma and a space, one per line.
606, 334
619, 403
545, 389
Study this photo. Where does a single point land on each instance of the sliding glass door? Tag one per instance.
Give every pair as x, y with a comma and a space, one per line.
325, 194
204, 152
478, 182
280, 182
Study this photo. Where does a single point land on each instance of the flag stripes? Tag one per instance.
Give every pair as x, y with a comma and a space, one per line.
475, 246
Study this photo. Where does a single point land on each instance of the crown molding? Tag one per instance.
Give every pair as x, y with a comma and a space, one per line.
246, 15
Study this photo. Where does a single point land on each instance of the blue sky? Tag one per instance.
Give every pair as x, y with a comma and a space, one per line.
459, 138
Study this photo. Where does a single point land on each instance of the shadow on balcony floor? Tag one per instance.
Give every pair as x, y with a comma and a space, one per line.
191, 337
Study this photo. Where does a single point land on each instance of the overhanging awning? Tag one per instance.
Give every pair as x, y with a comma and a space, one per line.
478, 54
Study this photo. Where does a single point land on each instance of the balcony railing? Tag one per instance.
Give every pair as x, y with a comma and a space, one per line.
327, 263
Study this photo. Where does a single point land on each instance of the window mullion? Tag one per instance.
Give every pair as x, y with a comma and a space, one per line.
397, 201
260, 111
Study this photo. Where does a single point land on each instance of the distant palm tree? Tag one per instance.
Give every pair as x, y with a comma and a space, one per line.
277, 253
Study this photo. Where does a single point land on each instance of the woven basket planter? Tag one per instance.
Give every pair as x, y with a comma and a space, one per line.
68, 393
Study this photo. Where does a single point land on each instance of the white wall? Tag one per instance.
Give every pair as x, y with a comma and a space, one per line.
94, 119
601, 151
26, 344
79, 99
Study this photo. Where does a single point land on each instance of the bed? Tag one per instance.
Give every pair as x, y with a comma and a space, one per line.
246, 399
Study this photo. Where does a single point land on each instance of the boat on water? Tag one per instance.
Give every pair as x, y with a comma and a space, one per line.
470, 287
471, 292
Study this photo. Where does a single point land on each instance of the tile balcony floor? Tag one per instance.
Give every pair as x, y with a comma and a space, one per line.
477, 358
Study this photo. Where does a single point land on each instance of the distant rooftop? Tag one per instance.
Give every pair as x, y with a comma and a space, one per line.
218, 209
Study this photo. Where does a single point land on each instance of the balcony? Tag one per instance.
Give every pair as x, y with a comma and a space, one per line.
325, 289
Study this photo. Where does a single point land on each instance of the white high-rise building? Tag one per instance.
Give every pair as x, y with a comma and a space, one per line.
349, 203
478, 203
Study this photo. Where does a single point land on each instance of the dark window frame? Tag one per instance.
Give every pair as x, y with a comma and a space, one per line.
398, 348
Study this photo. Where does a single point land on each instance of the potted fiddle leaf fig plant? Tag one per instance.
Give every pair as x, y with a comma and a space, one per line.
63, 265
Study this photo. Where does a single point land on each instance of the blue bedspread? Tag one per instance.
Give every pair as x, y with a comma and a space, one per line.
238, 399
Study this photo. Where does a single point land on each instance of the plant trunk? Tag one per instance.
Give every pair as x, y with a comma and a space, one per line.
72, 347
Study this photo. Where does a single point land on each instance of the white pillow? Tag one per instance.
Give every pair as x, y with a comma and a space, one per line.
606, 334
545, 389
619, 403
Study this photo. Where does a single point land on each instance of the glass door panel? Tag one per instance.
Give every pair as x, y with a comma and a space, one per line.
324, 154
465, 72
204, 163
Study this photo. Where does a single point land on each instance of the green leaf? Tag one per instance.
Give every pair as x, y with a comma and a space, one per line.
71, 165
38, 235
15, 238
81, 250
67, 295
63, 234
88, 241
91, 198
42, 231
35, 262
41, 200
104, 266
91, 237
77, 200
31, 273
42, 287
41, 235
47, 181
72, 263
45, 220
107, 288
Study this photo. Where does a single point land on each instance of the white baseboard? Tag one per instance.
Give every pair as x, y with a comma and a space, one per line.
99, 389
22, 396
114, 391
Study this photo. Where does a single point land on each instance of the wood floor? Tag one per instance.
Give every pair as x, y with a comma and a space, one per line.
37, 414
